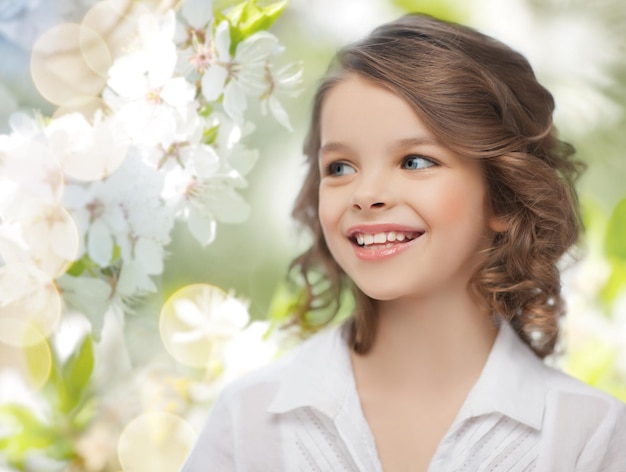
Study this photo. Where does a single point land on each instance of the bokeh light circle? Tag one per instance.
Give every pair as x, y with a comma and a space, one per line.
197, 321
88, 151
28, 300
68, 61
155, 442
32, 362
115, 21
86, 106
52, 237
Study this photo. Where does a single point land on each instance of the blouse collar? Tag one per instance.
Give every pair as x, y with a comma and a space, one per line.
512, 381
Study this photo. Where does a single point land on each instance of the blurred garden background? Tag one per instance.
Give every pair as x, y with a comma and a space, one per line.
120, 352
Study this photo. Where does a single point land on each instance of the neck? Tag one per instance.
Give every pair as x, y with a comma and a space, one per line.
436, 341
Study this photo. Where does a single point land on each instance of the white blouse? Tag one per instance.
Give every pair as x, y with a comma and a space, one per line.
303, 414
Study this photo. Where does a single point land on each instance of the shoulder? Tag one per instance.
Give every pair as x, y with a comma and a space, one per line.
527, 378
242, 431
588, 420
569, 394
578, 424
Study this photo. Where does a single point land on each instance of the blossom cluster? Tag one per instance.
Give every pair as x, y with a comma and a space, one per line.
151, 129
87, 203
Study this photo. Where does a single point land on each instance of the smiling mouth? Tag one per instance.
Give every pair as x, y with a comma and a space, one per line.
385, 239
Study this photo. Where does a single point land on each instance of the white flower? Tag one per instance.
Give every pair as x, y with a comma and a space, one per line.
125, 209
145, 260
228, 144
210, 316
206, 197
38, 233
198, 321
30, 305
201, 188
91, 296
99, 216
88, 152
244, 74
197, 13
194, 37
96, 446
286, 80
26, 160
149, 100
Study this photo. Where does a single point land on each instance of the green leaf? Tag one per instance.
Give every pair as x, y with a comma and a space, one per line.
616, 282
85, 264
450, 10
117, 253
205, 111
89, 295
615, 241
85, 414
77, 268
615, 252
30, 431
209, 135
248, 18
286, 297
39, 361
75, 376
594, 220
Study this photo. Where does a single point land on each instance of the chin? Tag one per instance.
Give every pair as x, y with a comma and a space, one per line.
382, 294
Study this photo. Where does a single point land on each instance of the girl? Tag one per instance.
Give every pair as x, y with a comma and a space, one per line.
438, 191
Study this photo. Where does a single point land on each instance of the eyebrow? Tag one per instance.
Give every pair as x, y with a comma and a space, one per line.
333, 146
415, 141
336, 146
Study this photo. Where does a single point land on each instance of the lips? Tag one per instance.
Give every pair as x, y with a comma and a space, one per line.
381, 241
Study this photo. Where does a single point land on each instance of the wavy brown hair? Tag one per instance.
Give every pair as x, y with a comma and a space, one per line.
481, 99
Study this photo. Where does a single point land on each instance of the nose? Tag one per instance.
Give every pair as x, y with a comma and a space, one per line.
371, 193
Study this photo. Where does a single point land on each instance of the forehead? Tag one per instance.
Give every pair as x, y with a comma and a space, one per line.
358, 109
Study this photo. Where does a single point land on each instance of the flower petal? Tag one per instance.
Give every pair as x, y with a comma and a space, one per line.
206, 161
213, 82
222, 41
235, 102
243, 160
279, 112
232, 207
178, 92
197, 12
201, 226
149, 256
256, 48
100, 243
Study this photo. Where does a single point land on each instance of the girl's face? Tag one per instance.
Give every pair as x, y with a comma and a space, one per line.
402, 215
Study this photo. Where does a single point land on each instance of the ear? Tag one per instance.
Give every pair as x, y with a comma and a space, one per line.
497, 224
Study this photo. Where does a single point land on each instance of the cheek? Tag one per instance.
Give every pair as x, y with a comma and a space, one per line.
327, 214
463, 203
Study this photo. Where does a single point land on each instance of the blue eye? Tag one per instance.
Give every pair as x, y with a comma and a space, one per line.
417, 162
338, 169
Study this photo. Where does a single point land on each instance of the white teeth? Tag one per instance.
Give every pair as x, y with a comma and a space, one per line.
364, 239
380, 238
